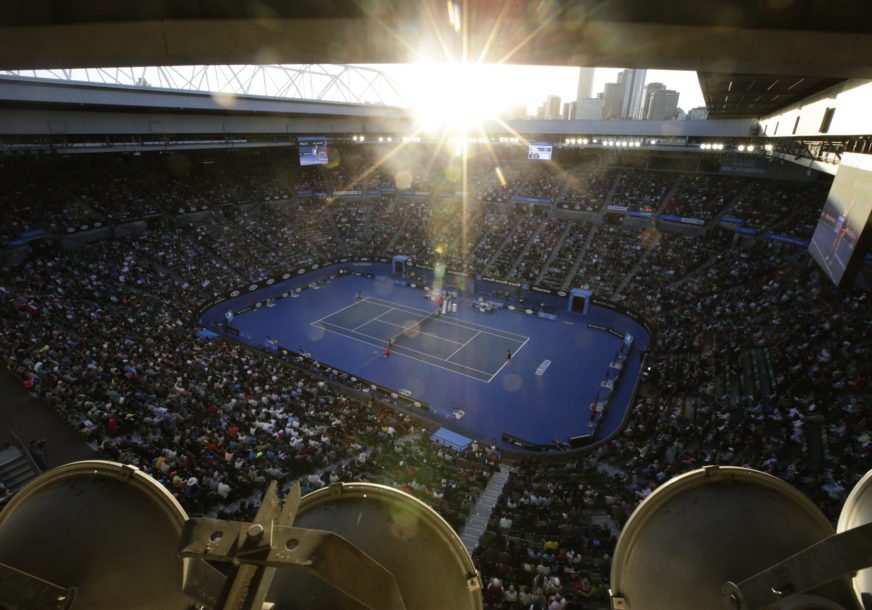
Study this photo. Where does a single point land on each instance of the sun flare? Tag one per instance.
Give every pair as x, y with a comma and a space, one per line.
454, 97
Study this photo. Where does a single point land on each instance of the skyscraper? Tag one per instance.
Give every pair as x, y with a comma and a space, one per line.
650, 88
634, 82
552, 107
590, 109
587, 107
623, 99
663, 105
613, 99
585, 84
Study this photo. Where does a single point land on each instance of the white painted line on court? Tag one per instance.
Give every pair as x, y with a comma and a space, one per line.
462, 346
503, 334
514, 353
371, 319
420, 332
340, 310
325, 324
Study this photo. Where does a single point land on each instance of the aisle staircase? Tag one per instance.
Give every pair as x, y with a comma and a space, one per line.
728, 207
628, 277
669, 194
576, 265
522, 257
553, 254
16, 468
496, 257
476, 524
607, 200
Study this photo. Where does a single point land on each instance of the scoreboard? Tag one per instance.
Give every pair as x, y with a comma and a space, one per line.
540, 151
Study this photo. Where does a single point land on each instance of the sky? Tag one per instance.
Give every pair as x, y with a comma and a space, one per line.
491, 88
442, 93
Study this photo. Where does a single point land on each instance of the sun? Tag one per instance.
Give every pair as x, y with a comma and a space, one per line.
454, 97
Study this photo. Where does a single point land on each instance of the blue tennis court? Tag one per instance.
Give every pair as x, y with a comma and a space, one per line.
455, 363
463, 347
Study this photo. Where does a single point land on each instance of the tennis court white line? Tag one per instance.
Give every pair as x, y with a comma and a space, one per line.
420, 332
462, 346
370, 320
401, 354
343, 309
439, 319
460, 323
411, 349
514, 353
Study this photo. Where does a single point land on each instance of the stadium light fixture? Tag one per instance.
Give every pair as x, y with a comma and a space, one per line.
768, 148
741, 148
652, 142
750, 148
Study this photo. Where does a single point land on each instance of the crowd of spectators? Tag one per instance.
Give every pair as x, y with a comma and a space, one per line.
586, 189
105, 338
542, 246
703, 196
543, 547
511, 254
495, 183
641, 191
541, 182
613, 251
557, 273
758, 360
774, 204
668, 259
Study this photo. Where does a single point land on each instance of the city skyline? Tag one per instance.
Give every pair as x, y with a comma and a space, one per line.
487, 90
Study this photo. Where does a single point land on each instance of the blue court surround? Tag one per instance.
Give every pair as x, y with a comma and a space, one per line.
457, 363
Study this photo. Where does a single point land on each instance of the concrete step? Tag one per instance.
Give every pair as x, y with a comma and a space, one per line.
14, 474
476, 523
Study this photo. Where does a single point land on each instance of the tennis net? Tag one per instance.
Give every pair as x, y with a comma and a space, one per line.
406, 332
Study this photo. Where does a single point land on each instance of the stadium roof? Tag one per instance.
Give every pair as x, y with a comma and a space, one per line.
771, 53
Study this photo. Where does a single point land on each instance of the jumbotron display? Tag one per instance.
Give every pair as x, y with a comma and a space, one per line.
313, 150
841, 237
540, 151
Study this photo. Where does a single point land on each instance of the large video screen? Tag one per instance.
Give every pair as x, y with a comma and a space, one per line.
540, 151
313, 150
842, 233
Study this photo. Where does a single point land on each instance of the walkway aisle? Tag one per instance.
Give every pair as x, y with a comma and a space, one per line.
476, 524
